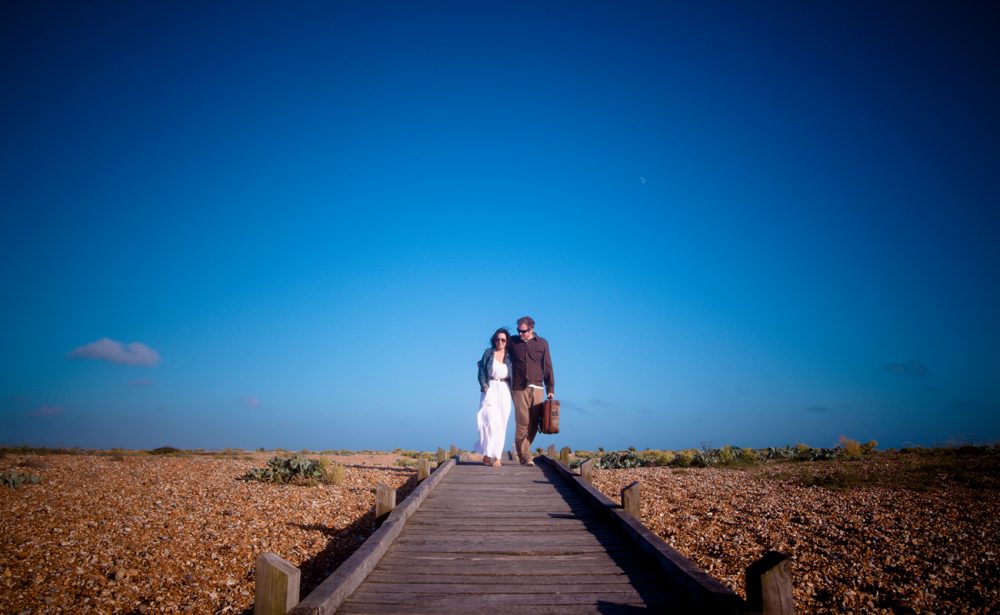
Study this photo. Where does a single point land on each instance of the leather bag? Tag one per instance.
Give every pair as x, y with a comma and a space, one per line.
548, 422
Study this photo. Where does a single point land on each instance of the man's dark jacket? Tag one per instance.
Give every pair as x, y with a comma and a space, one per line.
532, 363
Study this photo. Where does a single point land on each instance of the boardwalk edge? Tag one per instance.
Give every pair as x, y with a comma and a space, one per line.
332, 592
708, 594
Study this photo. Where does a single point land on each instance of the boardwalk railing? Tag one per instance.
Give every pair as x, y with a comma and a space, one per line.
768, 580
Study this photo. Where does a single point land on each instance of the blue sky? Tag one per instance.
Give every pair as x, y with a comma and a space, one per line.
734, 223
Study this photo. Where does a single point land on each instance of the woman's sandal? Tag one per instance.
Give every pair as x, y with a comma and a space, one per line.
496, 464
486, 460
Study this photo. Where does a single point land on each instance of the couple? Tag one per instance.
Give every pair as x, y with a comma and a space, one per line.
512, 368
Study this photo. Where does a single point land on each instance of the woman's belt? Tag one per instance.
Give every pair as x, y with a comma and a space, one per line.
501, 379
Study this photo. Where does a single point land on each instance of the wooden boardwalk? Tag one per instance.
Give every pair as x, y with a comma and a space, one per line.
517, 539
514, 539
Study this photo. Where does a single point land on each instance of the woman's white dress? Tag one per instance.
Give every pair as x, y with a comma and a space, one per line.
494, 411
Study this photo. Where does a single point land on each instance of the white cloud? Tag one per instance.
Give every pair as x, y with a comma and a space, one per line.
113, 351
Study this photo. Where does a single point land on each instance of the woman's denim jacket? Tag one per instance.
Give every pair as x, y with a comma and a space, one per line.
486, 368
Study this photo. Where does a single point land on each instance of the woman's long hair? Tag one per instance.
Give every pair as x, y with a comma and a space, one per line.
493, 340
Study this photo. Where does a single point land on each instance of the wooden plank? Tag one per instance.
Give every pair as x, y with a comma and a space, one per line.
528, 542
508, 548
505, 517
514, 496
506, 492
442, 589
631, 500
538, 526
498, 491
537, 502
502, 600
575, 609
513, 559
706, 593
331, 593
451, 573
490, 576
540, 534
466, 533
276, 587
769, 585
572, 521
385, 500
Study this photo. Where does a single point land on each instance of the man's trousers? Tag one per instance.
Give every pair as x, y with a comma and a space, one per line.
527, 411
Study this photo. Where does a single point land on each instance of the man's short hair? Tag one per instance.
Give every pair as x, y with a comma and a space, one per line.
526, 320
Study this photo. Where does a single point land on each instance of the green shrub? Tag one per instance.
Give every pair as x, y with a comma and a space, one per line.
617, 461
34, 463
297, 470
685, 458
849, 449
13, 479
869, 447
748, 455
657, 458
230, 452
165, 450
333, 472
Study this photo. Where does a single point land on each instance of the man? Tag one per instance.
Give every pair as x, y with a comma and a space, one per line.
532, 368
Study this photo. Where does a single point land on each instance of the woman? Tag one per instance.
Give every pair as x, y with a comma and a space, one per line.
495, 369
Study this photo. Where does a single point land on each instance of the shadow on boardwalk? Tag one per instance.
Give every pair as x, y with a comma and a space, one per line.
342, 542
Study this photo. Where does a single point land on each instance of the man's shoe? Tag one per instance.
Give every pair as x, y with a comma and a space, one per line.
529, 463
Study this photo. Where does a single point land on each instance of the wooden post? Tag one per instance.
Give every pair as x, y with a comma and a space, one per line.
769, 585
423, 469
453, 451
587, 470
551, 451
630, 500
385, 500
441, 455
564, 456
276, 589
